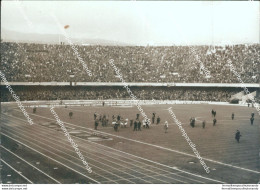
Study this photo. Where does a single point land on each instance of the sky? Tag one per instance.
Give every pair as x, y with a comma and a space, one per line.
139, 22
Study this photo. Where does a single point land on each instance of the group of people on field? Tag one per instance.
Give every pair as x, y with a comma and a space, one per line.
193, 120
118, 121
214, 113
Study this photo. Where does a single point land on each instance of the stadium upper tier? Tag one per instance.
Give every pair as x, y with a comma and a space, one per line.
22, 62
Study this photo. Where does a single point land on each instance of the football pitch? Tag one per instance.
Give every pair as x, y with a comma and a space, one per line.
41, 153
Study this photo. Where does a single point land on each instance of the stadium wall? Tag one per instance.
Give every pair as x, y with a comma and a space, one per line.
113, 103
53, 88
249, 85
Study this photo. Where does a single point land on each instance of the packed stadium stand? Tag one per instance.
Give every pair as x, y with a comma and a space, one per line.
23, 62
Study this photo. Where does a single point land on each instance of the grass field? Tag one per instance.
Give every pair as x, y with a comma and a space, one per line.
42, 154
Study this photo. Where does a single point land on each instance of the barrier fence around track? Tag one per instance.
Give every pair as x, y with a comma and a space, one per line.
115, 103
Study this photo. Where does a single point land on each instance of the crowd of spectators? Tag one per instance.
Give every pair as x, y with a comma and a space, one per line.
23, 62
30, 93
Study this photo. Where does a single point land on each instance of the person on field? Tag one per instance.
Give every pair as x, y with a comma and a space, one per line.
104, 119
237, 136
214, 121
212, 113
96, 124
139, 125
203, 124
114, 122
116, 126
131, 123
153, 118
232, 116
147, 124
158, 120
34, 110
126, 122
192, 122
166, 127
70, 114
252, 120
143, 123
121, 122
135, 125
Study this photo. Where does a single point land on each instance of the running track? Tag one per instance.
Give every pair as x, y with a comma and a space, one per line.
108, 165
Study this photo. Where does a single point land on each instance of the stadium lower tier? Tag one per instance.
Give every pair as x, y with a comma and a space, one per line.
30, 93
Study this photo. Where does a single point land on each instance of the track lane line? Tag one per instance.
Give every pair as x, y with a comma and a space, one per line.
16, 171
49, 157
30, 165
123, 166
72, 157
93, 159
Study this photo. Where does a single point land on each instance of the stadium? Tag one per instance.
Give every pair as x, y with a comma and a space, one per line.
81, 121
124, 156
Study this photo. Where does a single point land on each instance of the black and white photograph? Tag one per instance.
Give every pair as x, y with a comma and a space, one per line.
130, 92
